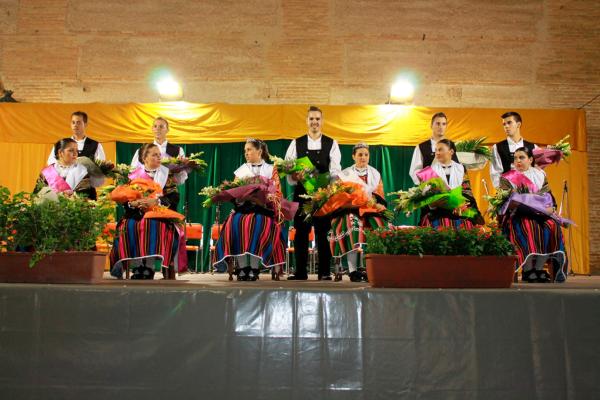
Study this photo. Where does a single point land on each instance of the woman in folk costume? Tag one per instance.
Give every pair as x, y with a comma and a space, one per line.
537, 236
454, 175
66, 175
347, 235
252, 234
140, 239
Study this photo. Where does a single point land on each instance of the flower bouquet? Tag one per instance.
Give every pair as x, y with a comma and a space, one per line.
473, 154
162, 212
311, 180
521, 200
433, 193
552, 154
134, 190
257, 190
187, 164
341, 195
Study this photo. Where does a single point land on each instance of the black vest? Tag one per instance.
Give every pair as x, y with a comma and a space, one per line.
172, 150
319, 158
428, 156
89, 149
506, 156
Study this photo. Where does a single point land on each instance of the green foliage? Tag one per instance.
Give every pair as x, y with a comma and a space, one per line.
478, 241
474, 146
47, 222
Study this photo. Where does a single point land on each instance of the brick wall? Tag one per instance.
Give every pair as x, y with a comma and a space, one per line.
526, 54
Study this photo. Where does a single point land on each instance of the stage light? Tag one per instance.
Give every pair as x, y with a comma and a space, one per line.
169, 89
402, 91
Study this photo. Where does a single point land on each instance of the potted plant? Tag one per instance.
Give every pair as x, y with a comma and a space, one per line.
473, 154
427, 258
54, 234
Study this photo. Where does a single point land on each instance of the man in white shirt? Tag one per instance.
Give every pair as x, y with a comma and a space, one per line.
503, 152
424, 153
160, 128
325, 155
86, 147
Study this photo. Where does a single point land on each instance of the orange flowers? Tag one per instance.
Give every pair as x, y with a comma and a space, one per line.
136, 189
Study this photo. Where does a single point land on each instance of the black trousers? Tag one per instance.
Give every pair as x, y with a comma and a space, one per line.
322, 226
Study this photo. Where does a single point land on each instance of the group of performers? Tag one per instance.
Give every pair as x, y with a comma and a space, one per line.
254, 235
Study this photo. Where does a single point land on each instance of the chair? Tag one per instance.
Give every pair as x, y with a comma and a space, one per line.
215, 232
193, 232
290, 249
312, 251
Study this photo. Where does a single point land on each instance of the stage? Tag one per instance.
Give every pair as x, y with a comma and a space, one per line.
205, 337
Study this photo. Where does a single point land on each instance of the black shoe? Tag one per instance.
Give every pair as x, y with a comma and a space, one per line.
355, 276
325, 278
297, 278
543, 277
530, 277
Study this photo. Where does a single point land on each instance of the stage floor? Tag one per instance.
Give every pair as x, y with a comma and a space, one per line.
203, 336
220, 280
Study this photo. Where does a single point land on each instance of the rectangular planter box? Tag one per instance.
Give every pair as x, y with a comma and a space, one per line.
440, 271
67, 267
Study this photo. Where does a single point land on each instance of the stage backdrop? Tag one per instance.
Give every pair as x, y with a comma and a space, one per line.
27, 132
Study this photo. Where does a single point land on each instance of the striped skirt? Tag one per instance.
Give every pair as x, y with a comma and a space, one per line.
144, 238
347, 232
438, 222
535, 237
252, 234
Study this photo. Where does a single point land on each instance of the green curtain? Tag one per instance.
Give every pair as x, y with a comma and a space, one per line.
392, 162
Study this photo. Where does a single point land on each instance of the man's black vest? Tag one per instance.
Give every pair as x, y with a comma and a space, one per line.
506, 156
172, 150
428, 156
319, 158
89, 149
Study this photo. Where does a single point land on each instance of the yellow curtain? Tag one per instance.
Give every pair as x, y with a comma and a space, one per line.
27, 132
223, 123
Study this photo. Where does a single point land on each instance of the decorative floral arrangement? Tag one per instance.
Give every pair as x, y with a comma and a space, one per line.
521, 200
162, 212
50, 222
480, 241
211, 192
134, 190
257, 190
552, 154
475, 146
99, 169
311, 180
341, 195
496, 201
434, 193
188, 164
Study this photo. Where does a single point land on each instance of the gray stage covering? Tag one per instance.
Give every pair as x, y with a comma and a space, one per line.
77, 342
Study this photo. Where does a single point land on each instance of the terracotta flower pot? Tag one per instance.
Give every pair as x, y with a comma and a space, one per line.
440, 271
67, 267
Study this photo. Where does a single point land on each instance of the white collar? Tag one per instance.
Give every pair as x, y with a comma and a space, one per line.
512, 142
456, 172
77, 140
317, 140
